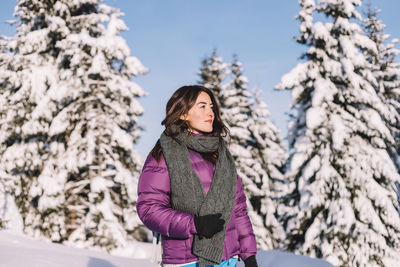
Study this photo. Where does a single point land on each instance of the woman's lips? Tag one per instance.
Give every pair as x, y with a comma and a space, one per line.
209, 121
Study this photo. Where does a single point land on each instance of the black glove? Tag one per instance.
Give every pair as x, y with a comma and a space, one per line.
208, 225
250, 262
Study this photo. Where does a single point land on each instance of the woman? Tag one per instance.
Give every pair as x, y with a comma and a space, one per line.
189, 191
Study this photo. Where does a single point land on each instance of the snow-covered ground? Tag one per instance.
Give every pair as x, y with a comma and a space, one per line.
20, 251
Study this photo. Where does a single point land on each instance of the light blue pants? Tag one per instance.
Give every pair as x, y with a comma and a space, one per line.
228, 263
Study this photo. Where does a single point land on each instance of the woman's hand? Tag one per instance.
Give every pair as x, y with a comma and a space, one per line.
208, 225
250, 262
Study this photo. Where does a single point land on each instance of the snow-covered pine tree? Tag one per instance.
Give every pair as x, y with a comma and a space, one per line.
235, 107
267, 149
236, 111
344, 202
236, 114
71, 101
98, 128
386, 71
27, 72
212, 75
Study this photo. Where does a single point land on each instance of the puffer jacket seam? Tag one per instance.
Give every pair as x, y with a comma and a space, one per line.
150, 168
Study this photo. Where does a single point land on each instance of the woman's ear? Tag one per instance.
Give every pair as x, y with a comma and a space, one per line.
183, 117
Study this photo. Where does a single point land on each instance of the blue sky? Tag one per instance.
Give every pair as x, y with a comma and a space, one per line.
172, 37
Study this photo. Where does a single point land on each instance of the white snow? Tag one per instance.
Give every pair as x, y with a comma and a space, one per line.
20, 251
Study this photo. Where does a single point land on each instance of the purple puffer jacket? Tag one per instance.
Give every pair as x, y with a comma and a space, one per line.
177, 227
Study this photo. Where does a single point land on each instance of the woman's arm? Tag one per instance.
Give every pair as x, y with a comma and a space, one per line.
153, 204
247, 240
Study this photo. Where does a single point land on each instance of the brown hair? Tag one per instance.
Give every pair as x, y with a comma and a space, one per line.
181, 101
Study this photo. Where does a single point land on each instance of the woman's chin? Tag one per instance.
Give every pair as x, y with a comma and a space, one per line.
209, 130
205, 130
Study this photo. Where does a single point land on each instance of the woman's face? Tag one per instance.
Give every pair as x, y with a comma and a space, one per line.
201, 116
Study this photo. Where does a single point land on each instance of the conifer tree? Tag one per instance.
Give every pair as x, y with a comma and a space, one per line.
236, 110
236, 106
212, 75
387, 73
71, 123
343, 206
27, 72
267, 149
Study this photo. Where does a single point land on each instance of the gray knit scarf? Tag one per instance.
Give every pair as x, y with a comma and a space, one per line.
187, 193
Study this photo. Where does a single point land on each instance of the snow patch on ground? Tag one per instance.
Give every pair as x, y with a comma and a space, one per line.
21, 251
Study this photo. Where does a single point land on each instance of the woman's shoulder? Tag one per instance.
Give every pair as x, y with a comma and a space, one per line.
154, 175
151, 162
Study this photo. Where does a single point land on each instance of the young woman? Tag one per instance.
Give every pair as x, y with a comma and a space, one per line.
189, 190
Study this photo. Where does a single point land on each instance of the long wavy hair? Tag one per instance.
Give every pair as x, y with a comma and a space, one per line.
179, 104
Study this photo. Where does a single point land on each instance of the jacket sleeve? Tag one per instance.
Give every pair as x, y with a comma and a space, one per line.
153, 204
247, 240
